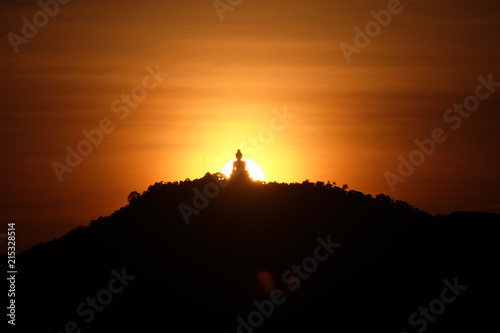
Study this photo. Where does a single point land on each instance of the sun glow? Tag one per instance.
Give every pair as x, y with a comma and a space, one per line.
254, 170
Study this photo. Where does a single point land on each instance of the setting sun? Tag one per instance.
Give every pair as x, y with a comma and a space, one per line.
253, 169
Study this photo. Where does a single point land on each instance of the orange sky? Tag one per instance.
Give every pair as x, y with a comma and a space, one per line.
351, 121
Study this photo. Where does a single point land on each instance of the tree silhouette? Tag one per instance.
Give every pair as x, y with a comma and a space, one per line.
133, 196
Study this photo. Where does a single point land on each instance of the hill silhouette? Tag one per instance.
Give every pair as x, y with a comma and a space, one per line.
253, 257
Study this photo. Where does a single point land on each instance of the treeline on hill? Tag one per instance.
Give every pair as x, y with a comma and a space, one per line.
209, 255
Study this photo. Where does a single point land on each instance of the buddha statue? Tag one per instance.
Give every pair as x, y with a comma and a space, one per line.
239, 167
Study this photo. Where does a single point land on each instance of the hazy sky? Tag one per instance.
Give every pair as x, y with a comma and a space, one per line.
352, 116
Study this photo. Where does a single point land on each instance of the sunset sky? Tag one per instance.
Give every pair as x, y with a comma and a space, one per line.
227, 81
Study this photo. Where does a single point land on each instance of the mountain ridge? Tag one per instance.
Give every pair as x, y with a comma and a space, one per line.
245, 239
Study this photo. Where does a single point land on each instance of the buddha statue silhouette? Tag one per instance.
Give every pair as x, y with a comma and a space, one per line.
239, 170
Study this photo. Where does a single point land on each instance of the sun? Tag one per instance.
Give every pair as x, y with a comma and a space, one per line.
253, 168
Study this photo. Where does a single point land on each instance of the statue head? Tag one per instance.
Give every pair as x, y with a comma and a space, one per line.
239, 155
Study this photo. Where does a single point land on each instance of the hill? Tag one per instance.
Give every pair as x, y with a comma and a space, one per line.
216, 256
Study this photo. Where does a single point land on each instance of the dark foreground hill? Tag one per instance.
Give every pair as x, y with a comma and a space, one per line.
264, 258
